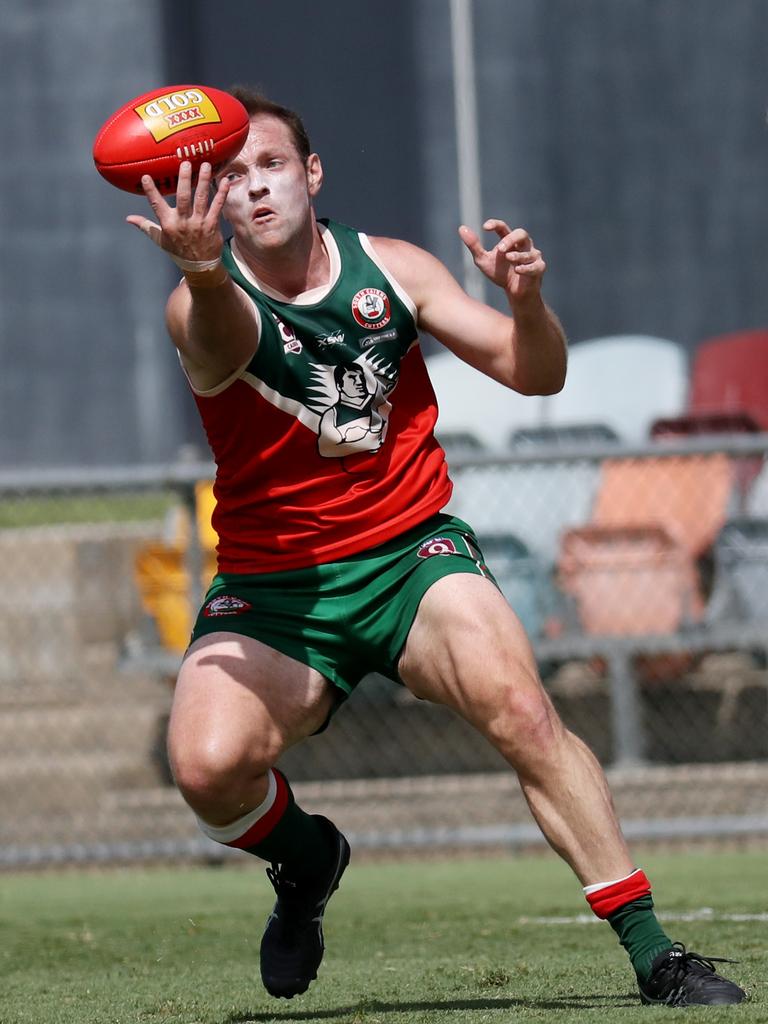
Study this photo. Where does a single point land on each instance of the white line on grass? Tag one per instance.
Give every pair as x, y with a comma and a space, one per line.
702, 914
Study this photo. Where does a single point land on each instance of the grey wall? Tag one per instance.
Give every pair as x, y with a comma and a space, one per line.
628, 135
85, 362
349, 68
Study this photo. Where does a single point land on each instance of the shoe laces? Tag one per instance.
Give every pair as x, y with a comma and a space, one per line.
283, 886
681, 961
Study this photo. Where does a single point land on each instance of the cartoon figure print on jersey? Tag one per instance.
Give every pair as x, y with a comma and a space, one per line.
355, 410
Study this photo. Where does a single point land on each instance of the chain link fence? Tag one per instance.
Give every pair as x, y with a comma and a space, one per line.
640, 574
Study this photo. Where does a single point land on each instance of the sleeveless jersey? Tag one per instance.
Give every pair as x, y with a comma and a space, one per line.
324, 442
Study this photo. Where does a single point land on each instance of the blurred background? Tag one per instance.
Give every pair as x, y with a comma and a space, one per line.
626, 519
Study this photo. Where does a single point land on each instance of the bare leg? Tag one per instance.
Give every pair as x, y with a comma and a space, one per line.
467, 650
237, 706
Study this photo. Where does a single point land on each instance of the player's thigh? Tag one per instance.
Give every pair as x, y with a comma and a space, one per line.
468, 650
237, 696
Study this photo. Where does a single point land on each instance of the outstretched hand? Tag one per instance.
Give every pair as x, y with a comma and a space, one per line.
190, 230
513, 263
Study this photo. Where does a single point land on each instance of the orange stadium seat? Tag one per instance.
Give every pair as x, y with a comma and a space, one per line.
629, 580
162, 576
687, 495
633, 569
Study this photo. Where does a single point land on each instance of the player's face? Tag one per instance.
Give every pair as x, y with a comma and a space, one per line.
271, 189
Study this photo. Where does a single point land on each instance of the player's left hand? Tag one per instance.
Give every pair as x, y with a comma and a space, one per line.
514, 263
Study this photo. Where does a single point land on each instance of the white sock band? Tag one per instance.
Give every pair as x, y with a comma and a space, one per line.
229, 833
589, 889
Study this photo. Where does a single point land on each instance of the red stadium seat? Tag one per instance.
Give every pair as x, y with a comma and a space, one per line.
730, 374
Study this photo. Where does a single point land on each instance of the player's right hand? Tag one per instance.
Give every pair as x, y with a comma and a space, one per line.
191, 229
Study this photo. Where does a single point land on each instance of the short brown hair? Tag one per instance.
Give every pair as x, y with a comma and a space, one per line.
257, 103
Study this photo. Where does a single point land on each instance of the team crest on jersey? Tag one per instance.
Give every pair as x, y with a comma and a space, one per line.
370, 308
290, 342
225, 604
437, 546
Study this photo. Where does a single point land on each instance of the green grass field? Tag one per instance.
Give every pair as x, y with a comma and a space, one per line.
434, 942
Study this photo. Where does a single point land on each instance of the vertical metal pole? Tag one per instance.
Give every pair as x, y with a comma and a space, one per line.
467, 146
626, 712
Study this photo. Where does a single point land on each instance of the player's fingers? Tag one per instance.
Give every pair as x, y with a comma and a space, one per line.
499, 226
184, 189
152, 230
202, 190
533, 268
523, 256
154, 198
519, 239
472, 242
217, 203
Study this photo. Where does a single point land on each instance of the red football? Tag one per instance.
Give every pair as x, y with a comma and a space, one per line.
153, 133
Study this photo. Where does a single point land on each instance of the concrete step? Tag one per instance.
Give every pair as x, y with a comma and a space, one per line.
79, 729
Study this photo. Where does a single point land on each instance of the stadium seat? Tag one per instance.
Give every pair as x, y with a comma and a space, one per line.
471, 403
631, 380
704, 424
715, 424
460, 442
535, 501
690, 496
633, 569
562, 435
598, 373
730, 374
629, 580
741, 570
162, 575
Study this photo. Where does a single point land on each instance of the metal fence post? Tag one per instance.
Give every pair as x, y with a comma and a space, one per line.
626, 710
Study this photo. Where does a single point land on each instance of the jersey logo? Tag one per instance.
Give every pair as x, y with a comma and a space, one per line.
290, 342
351, 400
326, 340
436, 546
370, 308
225, 604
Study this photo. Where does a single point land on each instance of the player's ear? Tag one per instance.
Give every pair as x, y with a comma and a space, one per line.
314, 174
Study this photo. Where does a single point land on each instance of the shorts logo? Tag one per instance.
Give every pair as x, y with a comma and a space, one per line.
436, 546
225, 604
370, 308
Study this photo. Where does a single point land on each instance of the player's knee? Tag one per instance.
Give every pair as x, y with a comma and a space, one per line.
210, 772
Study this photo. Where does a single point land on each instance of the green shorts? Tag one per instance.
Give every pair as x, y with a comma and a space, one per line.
345, 618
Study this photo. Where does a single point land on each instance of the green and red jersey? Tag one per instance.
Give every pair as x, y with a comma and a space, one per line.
324, 442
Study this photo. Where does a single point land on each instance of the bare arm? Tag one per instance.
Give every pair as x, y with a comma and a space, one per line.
525, 350
210, 320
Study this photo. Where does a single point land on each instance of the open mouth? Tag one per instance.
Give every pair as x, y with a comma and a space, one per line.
262, 213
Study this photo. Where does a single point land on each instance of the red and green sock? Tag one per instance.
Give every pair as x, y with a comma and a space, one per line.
280, 832
627, 905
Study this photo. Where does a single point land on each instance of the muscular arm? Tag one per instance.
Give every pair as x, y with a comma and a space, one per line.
525, 350
214, 326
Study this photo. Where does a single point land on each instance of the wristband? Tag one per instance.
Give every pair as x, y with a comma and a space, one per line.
195, 266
